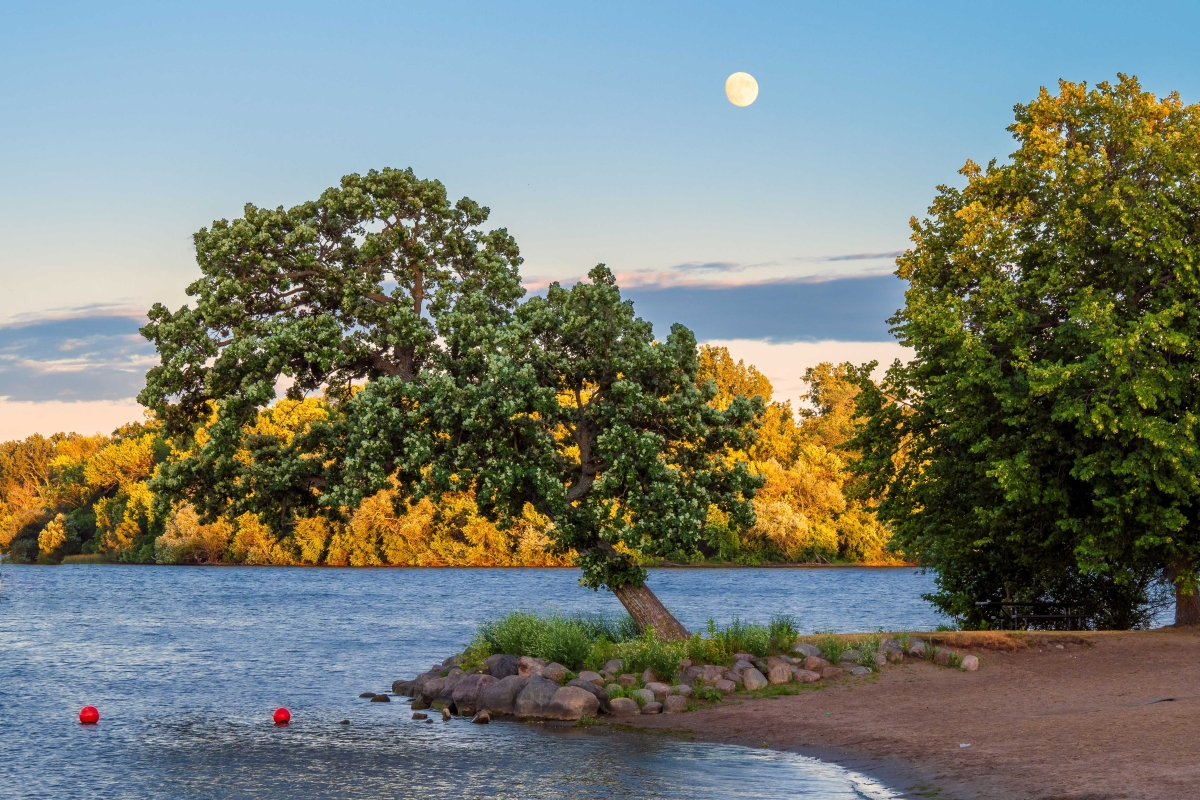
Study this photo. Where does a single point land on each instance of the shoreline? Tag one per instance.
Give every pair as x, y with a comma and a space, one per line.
1061, 715
797, 565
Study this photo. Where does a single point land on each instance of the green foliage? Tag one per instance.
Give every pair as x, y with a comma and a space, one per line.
1041, 444
707, 693
784, 629
640, 653
568, 640
868, 646
831, 646
741, 637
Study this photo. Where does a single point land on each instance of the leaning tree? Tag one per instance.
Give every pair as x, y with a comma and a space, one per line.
1043, 440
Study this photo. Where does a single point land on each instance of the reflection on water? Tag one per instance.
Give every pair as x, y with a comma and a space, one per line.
186, 666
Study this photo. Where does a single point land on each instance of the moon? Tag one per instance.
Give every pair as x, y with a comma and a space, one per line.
741, 89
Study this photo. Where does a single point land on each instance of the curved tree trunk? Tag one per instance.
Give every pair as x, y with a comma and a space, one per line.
1187, 597
647, 610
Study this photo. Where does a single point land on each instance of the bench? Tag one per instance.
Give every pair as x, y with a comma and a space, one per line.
1038, 615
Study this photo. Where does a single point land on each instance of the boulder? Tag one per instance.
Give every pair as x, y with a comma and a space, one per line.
693, 674
880, 659
652, 708
806, 649
805, 675
613, 665
451, 661
682, 689
367, 694
445, 715
648, 676
500, 666
969, 664
832, 672
402, 688
642, 696
775, 660
741, 666
943, 656
535, 699
627, 680
501, 696
815, 663
735, 677
380, 698
465, 696
530, 667
571, 702
685, 663
725, 687
592, 677
596, 691
859, 670
660, 690
607, 676
916, 648
418, 704
894, 654
712, 674
613, 689
852, 655
675, 704
555, 672
418, 683
624, 707
779, 673
752, 679
445, 694
420, 715
743, 657
482, 718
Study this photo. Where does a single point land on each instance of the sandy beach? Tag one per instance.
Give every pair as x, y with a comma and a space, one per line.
1091, 715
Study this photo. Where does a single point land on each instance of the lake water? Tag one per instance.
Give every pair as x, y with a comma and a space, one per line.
187, 664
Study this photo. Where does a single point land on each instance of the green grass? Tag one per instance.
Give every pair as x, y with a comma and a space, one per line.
84, 558
831, 646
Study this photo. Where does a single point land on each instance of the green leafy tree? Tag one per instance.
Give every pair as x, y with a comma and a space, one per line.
582, 414
380, 279
1042, 442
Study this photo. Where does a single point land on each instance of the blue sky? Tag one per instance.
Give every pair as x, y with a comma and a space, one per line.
594, 133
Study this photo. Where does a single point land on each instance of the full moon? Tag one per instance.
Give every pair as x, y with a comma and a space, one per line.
741, 88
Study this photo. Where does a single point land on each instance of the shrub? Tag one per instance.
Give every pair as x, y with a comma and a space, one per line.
783, 630
831, 646
738, 636
564, 640
570, 640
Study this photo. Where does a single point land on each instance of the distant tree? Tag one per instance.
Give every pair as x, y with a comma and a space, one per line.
587, 418
1043, 440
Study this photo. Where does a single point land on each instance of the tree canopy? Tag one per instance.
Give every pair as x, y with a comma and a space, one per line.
1042, 442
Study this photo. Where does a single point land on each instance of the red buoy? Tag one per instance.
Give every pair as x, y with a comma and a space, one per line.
88, 715
282, 716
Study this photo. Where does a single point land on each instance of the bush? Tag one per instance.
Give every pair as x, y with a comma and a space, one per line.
738, 637
569, 640
831, 646
783, 630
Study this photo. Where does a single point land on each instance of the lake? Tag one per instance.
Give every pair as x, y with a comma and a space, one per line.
186, 665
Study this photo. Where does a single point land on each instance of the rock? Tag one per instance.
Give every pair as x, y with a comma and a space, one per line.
613, 666
969, 664
482, 718
607, 676
555, 672
760, 664
725, 687
735, 677
501, 666
652, 708
403, 688
741, 666
420, 715
535, 699
693, 674
465, 697
832, 672
627, 680
451, 661
682, 689
596, 691
743, 657
815, 663
592, 677
624, 707
805, 675
419, 682
687, 662
445, 715
806, 649
880, 659
613, 689
675, 704
367, 694
418, 704
712, 674
943, 656
779, 673
454, 671
916, 648
860, 670
530, 667
648, 676
501, 696
893, 654
344, 722
752, 679
775, 660
428, 721
446, 693
381, 698
852, 655
642, 696
572, 702
660, 690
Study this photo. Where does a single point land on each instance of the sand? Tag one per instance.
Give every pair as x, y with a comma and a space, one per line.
1070, 716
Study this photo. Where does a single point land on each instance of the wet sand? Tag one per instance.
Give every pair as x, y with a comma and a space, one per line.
1057, 716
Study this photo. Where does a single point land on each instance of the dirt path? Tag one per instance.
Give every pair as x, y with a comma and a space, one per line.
1085, 721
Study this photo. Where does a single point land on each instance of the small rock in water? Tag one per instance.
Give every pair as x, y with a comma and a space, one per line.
428, 720
624, 707
675, 704
345, 722
367, 694
419, 704
445, 715
482, 718
652, 708
381, 698
420, 715
969, 664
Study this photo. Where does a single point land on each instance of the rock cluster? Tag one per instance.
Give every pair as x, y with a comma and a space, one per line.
530, 688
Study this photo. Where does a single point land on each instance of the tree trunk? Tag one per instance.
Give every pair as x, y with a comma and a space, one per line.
1187, 596
647, 610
